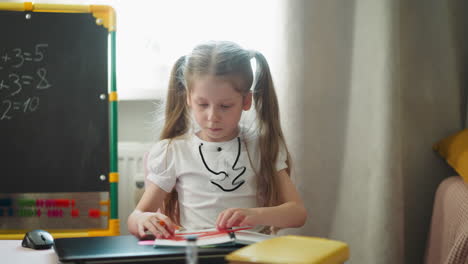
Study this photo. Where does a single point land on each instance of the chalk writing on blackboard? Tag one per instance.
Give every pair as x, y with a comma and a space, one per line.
23, 80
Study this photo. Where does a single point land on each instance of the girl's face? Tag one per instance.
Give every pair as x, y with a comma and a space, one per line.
217, 108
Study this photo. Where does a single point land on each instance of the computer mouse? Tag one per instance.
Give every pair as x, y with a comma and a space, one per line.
38, 239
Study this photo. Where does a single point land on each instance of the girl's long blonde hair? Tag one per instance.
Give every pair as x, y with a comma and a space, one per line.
229, 61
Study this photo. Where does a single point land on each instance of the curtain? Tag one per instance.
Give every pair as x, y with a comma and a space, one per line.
459, 25
367, 87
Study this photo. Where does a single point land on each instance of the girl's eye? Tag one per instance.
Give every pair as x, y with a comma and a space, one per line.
225, 106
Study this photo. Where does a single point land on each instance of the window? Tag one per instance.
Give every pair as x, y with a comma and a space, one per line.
151, 35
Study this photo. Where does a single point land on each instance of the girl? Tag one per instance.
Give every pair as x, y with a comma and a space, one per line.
221, 174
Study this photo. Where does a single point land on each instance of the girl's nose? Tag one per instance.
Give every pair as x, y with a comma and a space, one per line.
213, 114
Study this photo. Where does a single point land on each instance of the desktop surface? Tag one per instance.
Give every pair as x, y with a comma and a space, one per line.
125, 249
12, 252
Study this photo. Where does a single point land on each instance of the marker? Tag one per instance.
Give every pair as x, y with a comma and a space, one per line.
162, 223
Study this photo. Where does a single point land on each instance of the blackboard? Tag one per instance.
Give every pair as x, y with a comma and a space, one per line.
54, 110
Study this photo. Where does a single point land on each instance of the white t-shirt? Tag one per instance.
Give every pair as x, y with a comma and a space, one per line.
209, 176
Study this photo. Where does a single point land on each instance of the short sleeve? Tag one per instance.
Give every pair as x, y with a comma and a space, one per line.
160, 166
281, 159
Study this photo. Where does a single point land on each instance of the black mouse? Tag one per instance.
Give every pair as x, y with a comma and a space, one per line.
38, 239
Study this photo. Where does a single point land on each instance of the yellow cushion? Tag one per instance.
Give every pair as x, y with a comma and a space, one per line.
454, 149
292, 250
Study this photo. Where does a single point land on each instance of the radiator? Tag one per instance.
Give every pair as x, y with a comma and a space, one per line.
131, 178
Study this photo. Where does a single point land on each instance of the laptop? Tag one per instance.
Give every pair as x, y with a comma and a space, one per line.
125, 249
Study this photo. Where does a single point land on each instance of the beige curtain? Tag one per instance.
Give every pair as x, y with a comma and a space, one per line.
367, 87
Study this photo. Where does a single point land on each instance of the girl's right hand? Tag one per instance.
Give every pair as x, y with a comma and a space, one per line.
158, 224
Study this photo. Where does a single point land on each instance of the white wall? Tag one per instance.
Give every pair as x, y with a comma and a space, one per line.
136, 131
137, 121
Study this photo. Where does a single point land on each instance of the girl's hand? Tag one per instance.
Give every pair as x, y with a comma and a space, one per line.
237, 217
158, 224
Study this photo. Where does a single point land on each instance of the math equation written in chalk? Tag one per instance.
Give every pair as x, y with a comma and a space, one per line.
23, 80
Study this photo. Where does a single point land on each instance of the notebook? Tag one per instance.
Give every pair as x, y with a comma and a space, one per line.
125, 249
211, 237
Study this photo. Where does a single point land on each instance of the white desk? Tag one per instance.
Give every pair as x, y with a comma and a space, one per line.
11, 252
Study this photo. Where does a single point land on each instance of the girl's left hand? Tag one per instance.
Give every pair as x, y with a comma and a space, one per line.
237, 217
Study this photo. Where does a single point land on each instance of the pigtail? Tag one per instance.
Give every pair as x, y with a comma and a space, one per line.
271, 137
176, 124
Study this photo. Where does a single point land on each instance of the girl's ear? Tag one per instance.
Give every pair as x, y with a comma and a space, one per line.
247, 101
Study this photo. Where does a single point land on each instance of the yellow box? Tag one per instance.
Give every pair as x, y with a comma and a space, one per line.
292, 250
